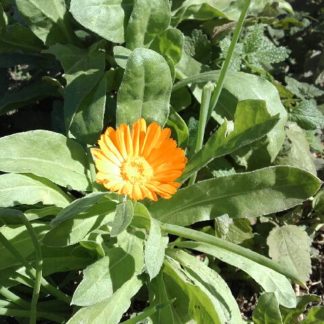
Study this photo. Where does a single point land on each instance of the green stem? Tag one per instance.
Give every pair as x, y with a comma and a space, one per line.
31, 271
209, 239
15, 299
221, 79
204, 107
38, 268
25, 313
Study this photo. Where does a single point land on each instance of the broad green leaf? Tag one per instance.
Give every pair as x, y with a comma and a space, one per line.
157, 289
76, 227
268, 279
267, 310
240, 86
296, 151
251, 122
169, 44
23, 189
123, 217
88, 121
314, 316
307, 115
249, 194
291, 315
83, 69
104, 277
78, 206
148, 19
155, 249
302, 90
111, 309
289, 245
180, 99
27, 95
103, 17
192, 302
141, 93
217, 288
47, 19
45, 154
19, 38
179, 127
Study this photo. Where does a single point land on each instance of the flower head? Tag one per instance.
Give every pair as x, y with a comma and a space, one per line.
141, 162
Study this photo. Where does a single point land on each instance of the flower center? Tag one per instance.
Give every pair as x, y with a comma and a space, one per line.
136, 170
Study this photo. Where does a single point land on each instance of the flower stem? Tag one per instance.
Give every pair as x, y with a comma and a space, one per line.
203, 114
38, 268
209, 239
221, 79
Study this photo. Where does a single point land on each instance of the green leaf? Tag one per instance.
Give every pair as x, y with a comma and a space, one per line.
141, 93
169, 44
267, 310
302, 90
19, 38
46, 19
209, 279
103, 17
111, 309
249, 194
83, 69
148, 19
27, 95
179, 127
22, 189
268, 279
20, 239
123, 217
88, 121
307, 115
251, 122
192, 302
296, 151
121, 55
75, 228
290, 246
155, 249
104, 277
78, 206
314, 316
45, 154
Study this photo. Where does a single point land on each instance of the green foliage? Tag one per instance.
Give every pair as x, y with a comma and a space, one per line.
79, 253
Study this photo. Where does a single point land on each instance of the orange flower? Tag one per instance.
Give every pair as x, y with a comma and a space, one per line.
143, 162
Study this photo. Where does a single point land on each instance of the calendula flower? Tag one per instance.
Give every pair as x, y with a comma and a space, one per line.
141, 162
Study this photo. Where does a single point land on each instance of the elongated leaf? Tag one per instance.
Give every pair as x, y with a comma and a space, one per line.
268, 279
290, 246
314, 316
103, 17
141, 93
180, 128
104, 277
74, 229
20, 239
251, 122
19, 189
110, 310
155, 249
123, 217
83, 69
210, 280
77, 207
192, 302
89, 119
249, 194
267, 310
45, 154
46, 19
148, 19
